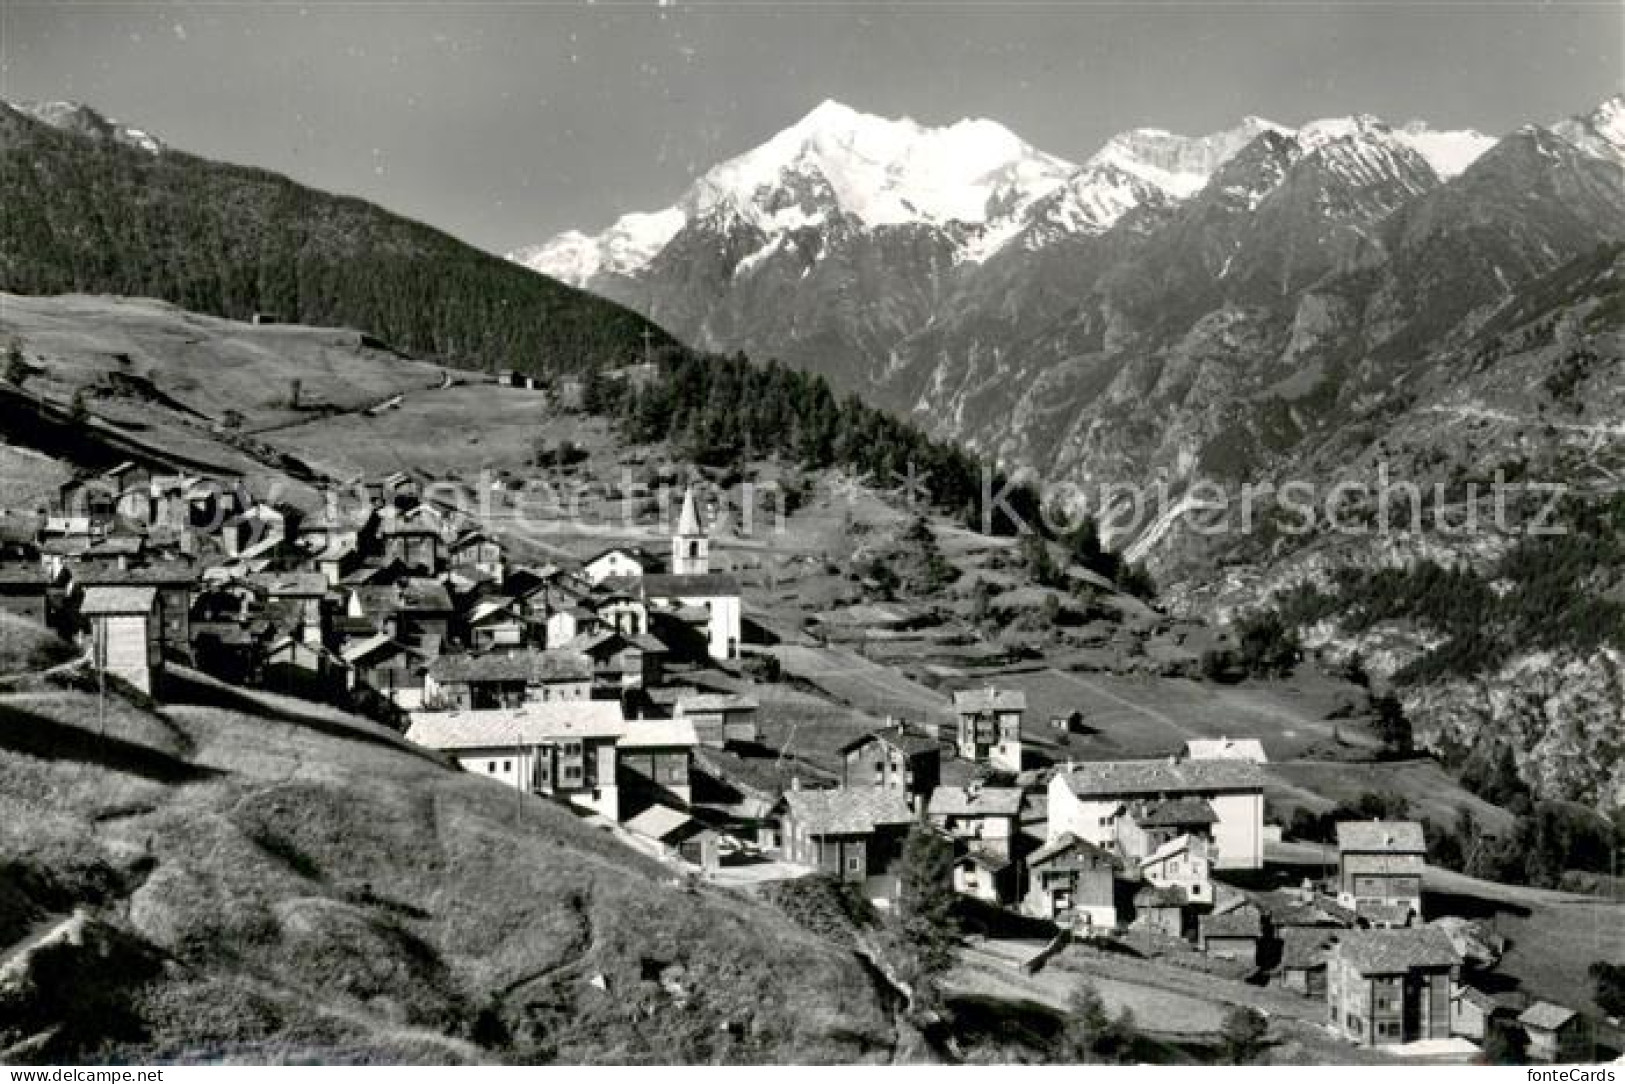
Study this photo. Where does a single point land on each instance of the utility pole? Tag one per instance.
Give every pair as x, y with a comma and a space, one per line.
518, 777
98, 647
648, 337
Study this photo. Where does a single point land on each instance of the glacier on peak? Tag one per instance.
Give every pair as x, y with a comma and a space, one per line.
837, 161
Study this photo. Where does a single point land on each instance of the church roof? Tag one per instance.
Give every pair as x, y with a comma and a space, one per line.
691, 585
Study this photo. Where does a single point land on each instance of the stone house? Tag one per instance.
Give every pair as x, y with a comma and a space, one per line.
1476, 1014
493, 624
1184, 863
985, 875
977, 816
1086, 800
1379, 870
619, 562
1072, 882
176, 583
1162, 910
563, 748
1235, 934
478, 556
1391, 986
988, 727
853, 833
1146, 825
896, 759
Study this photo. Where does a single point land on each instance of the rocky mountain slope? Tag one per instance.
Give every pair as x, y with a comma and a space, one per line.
1172, 308
1258, 306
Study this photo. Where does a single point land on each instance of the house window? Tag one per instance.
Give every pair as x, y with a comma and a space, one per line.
507, 766
491, 768
572, 774
572, 748
854, 863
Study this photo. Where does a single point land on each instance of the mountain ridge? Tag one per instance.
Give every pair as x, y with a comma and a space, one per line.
91, 210
1004, 177
1332, 247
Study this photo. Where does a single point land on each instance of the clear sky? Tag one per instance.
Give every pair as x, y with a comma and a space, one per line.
504, 123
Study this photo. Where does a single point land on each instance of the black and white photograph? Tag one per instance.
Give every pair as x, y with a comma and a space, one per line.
573, 533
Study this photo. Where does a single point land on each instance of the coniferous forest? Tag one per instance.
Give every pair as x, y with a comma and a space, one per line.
89, 216
721, 411
1548, 592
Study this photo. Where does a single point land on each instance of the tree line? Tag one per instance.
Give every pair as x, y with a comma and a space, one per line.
1548, 592
723, 411
94, 217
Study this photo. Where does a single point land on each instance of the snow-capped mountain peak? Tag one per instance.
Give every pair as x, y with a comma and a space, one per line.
1178, 165
80, 119
833, 161
1599, 133
629, 244
990, 186
1448, 152
888, 172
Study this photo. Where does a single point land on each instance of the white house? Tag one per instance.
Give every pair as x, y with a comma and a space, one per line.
977, 816
694, 595
707, 602
1086, 799
619, 562
1184, 863
566, 748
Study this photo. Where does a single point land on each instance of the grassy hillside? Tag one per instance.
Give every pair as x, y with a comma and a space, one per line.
95, 216
274, 881
188, 362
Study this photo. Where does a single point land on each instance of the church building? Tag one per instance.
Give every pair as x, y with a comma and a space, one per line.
707, 601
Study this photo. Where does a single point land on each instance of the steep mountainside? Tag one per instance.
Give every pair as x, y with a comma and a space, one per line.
1501, 629
94, 207
1173, 308
1263, 306
265, 880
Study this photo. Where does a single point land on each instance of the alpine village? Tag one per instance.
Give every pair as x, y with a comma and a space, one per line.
407, 657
